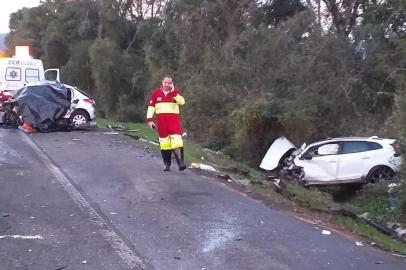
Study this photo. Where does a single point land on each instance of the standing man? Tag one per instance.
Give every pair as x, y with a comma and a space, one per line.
165, 102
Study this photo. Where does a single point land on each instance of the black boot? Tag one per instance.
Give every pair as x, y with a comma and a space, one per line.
166, 157
180, 159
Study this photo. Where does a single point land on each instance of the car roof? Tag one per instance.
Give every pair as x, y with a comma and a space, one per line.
77, 90
368, 139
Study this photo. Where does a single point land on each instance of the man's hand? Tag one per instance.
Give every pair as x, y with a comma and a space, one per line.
152, 125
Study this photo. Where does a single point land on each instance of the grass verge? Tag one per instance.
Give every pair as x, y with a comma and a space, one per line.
373, 235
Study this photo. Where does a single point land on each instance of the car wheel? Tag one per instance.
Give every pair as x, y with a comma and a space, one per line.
79, 118
10, 118
380, 173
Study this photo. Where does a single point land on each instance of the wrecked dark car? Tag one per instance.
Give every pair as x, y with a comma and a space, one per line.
333, 161
41, 106
48, 106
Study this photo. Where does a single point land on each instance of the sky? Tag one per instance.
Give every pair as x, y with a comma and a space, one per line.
10, 6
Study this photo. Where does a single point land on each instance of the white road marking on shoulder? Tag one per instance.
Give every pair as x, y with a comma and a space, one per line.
118, 244
16, 236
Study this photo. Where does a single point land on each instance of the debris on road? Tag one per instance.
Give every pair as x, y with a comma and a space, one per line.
326, 232
147, 141
212, 152
61, 268
203, 167
225, 177
279, 185
121, 128
27, 128
359, 244
111, 133
399, 255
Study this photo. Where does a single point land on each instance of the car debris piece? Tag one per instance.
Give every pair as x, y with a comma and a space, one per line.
227, 177
398, 255
62, 267
279, 185
203, 167
148, 141
26, 128
121, 128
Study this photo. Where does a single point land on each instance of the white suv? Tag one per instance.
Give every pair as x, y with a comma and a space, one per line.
336, 160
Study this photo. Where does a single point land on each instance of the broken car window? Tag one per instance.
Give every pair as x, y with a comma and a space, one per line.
323, 150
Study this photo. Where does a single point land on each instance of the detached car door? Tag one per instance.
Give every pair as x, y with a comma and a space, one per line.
355, 157
320, 162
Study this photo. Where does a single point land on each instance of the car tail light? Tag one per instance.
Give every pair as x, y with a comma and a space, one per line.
88, 100
4, 96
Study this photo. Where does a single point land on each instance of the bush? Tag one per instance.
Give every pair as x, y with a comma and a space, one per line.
130, 112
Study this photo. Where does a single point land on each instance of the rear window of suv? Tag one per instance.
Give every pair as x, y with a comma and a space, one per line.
374, 146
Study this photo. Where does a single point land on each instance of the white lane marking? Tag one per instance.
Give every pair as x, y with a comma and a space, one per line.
16, 236
118, 244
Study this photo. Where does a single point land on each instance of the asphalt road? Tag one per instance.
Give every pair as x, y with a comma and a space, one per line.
89, 200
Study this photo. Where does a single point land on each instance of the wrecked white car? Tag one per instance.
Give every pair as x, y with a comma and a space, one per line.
333, 161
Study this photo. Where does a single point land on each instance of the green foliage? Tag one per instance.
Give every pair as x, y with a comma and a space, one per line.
77, 70
401, 195
373, 199
105, 73
256, 120
276, 11
128, 111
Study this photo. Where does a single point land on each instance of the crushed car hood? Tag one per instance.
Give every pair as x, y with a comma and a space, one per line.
278, 148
